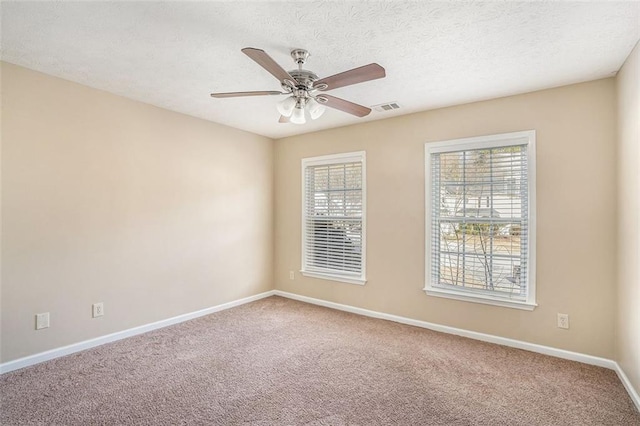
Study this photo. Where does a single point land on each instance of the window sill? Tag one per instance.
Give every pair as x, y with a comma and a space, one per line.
487, 300
333, 277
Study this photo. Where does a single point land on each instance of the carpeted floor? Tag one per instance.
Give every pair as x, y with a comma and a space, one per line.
282, 362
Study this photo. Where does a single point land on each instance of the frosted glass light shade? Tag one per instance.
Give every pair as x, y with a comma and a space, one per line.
298, 115
285, 107
315, 109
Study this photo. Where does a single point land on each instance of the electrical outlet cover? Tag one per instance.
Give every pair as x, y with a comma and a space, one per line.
563, 321
42, 321
98, 309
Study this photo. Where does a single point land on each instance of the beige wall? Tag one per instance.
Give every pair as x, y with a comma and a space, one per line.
108, 200
158, 214
628, 318
576, 214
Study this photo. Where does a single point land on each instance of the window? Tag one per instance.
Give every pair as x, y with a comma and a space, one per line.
480, 219
333, 217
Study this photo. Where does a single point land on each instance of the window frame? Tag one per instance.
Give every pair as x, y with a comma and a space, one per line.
341, 158
485, 142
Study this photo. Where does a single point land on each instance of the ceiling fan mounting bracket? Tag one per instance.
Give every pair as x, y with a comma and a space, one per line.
299, 56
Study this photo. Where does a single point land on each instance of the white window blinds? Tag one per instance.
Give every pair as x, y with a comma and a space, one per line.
333, 211
479, 219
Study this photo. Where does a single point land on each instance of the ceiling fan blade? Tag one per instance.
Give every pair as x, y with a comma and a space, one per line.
342, 105
283, 119
265, 61
238, 94
354, 76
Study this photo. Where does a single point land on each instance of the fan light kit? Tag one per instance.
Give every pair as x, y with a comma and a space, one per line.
303, 87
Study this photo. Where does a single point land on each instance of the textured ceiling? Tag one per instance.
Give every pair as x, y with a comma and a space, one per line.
173, 54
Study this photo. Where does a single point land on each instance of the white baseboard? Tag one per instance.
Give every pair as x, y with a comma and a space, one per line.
628, 386
546, 350
533, 347
87, 344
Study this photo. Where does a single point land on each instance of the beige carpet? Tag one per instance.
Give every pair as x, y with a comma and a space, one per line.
281, 362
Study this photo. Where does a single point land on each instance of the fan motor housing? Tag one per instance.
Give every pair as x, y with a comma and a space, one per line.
303, 78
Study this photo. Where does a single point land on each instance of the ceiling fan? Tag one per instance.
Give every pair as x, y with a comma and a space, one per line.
303, 87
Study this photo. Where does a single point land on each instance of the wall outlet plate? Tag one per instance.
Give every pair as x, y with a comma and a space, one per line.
42, 321
98, 309
563, 321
